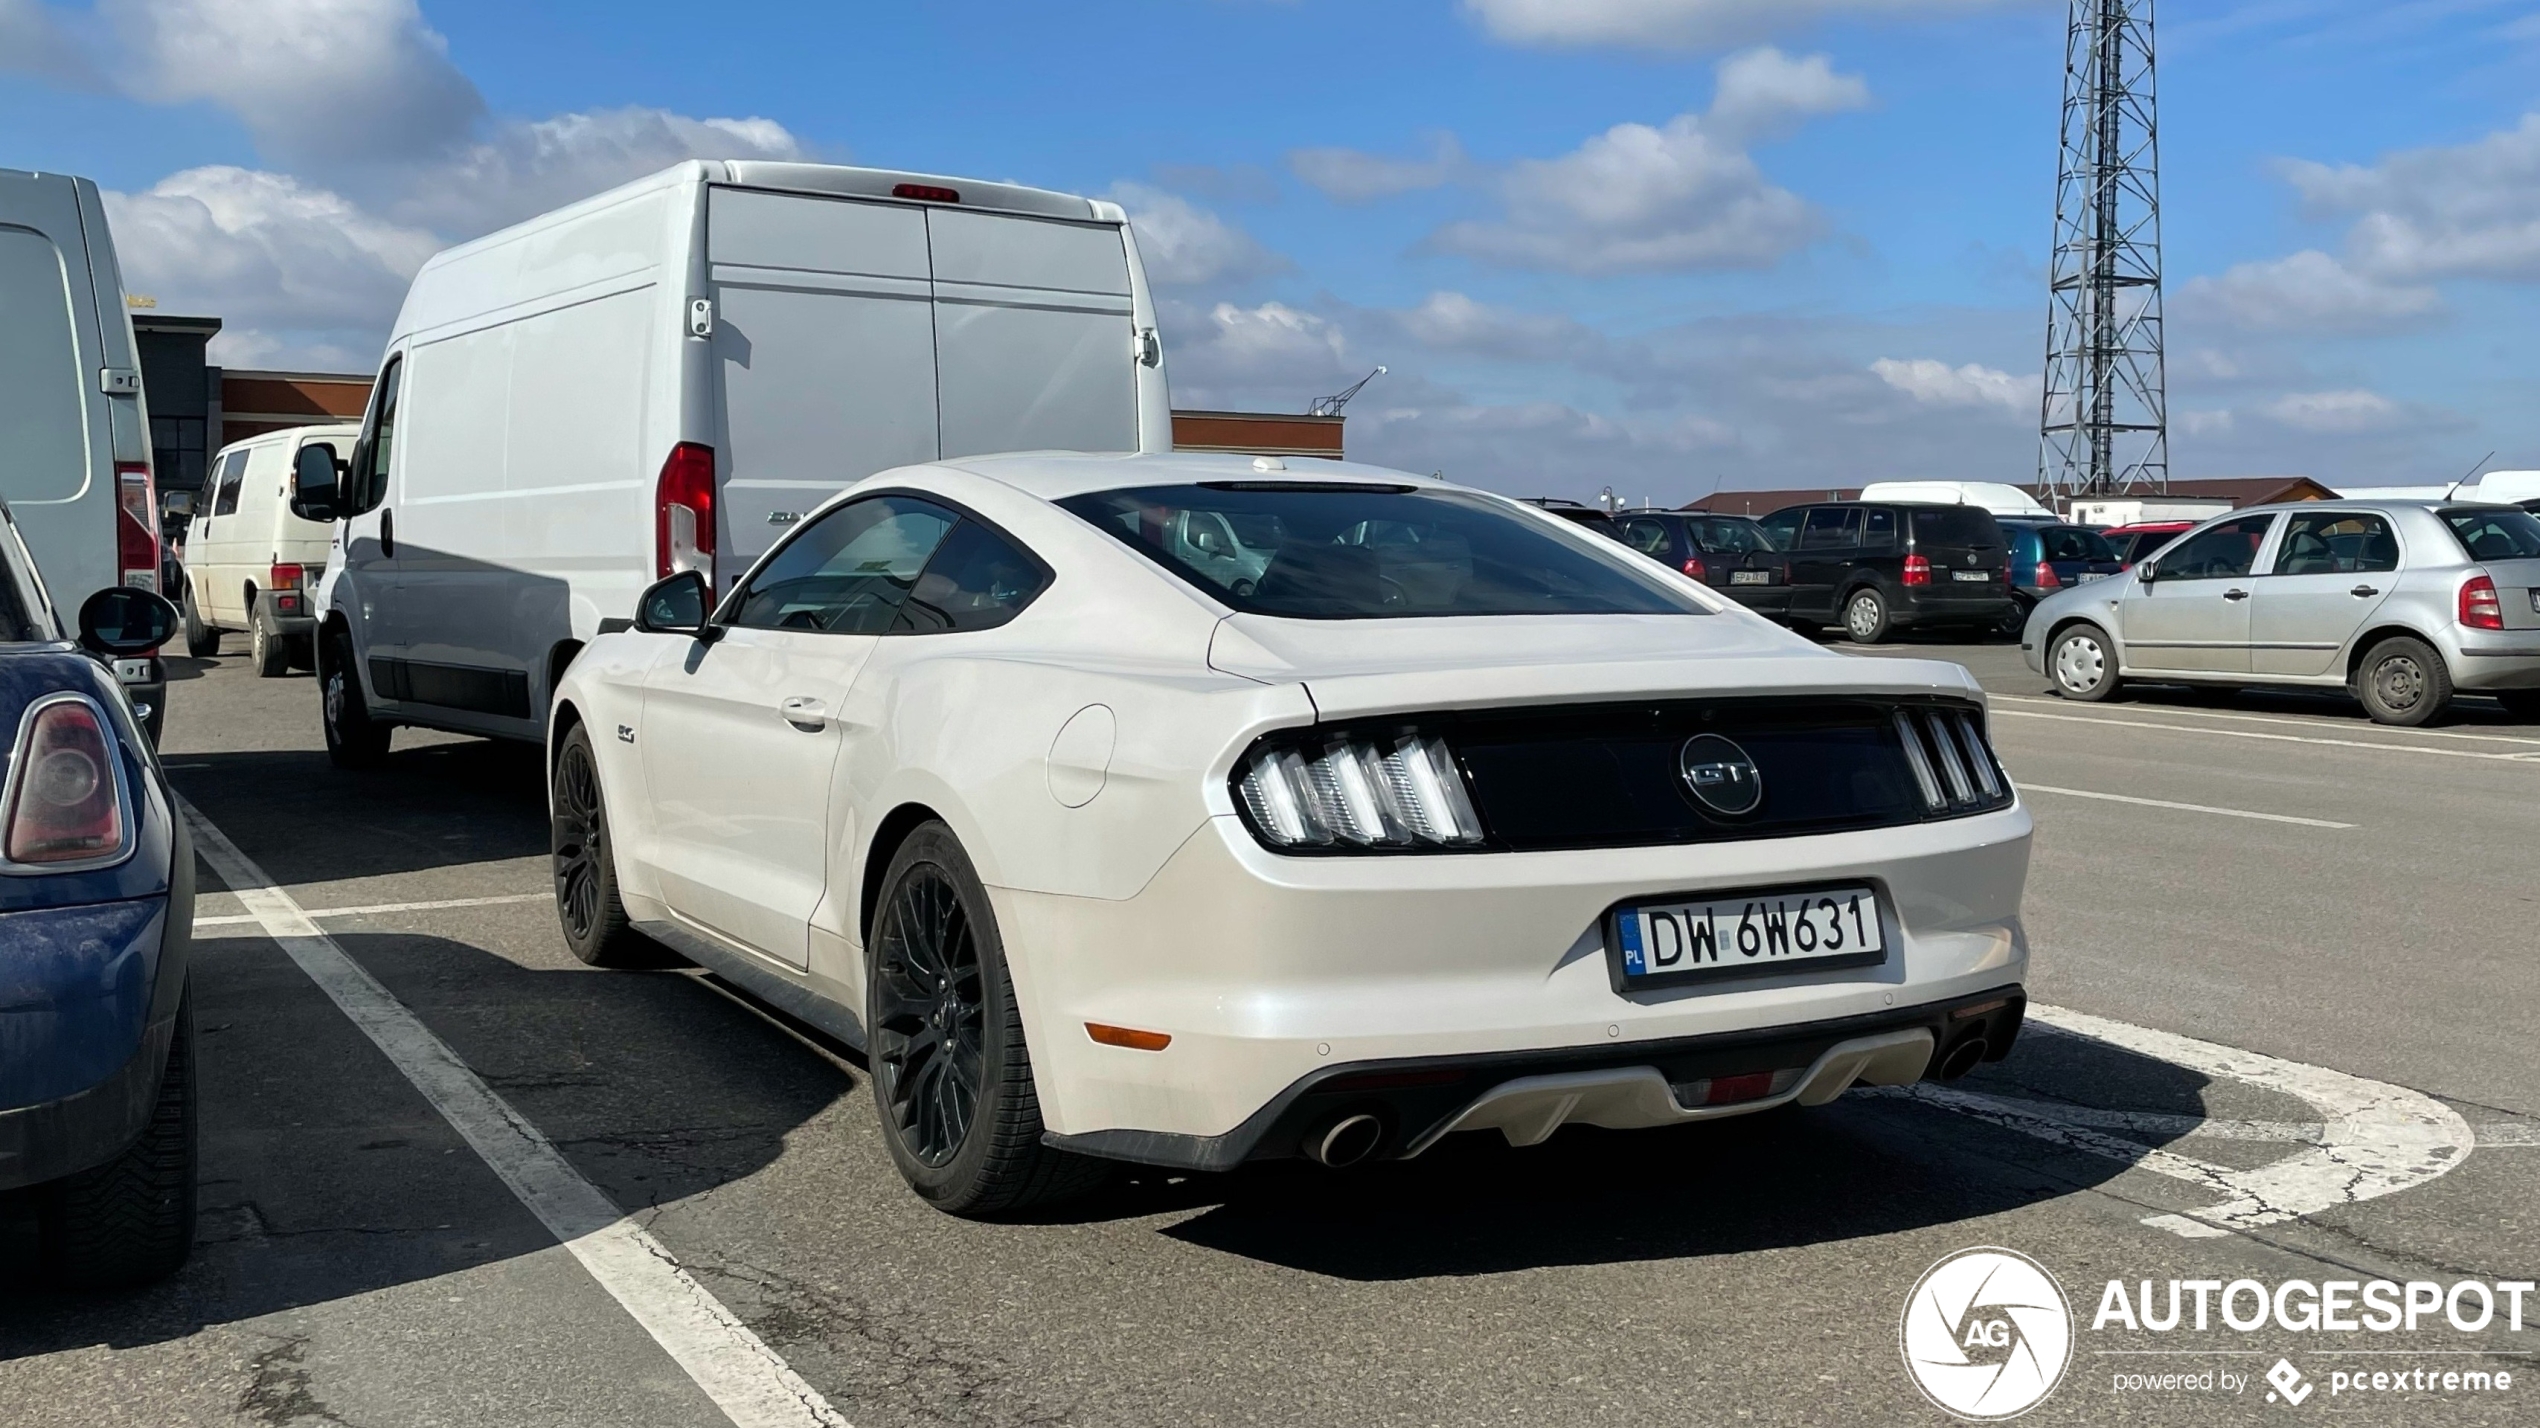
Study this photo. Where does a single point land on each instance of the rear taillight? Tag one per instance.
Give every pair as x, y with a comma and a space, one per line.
136, 525
284, 577
2046, 578
65, 800
1397, 789
2480, 609
1693, 567
287, 584
683, 509
1952, 763
1918, 570
926, 192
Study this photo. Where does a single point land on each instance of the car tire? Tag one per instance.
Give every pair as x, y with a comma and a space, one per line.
2403, 682
131, 1220
2014, 621
952, 1078
201, 640
268, 652
2523, 704
301, 652
2082, 661
584, 860
1865, 616
354, 740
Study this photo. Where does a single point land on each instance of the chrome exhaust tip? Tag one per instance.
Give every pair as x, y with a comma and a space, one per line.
1346, 1141
1962, 1058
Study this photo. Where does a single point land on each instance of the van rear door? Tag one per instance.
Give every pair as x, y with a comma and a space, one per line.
57, 472
1034, 334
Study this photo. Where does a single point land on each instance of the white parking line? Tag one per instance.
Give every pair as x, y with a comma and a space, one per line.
2373, 1139
753, 1386
2026, 787
314, 913
2532, 757
2296, 720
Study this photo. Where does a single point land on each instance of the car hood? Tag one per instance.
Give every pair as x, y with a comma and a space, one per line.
1353, 667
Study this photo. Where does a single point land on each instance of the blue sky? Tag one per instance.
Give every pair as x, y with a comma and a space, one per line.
1653, 244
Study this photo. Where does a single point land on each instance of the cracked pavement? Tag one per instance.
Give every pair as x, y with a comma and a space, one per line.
358, 1264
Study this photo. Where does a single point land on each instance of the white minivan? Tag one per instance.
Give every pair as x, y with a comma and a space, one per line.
666, 377
251, 563
74, 435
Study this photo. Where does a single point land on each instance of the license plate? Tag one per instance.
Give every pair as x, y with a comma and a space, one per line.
1750, 577
1745, 933
2089, 575
1972, 577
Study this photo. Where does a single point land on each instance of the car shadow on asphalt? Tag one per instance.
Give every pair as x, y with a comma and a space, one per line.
430, 805
326, 1175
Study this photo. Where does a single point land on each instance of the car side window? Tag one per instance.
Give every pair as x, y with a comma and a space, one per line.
975, 580
2336, 543
2223, 552
1782, 527
1645, 535
232, 472
848, 572
1878, 528
1831, 528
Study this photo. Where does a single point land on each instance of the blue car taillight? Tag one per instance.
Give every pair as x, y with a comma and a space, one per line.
65, 800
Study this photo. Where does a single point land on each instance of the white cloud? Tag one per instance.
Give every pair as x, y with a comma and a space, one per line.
528, 167
2337, 412
315, 81
1682, 24
1453, 322
1351, 176
2216, 422
2468, 210
264, 251
1184, 245
1643, 199
1269, 353
1932, 382
2309, 292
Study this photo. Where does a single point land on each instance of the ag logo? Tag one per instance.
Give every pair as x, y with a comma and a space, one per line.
1987, 1334
1720, 774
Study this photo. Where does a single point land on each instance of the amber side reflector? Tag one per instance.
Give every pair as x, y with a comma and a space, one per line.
1125, 1036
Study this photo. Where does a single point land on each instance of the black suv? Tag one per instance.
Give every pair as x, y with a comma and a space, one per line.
1878, 567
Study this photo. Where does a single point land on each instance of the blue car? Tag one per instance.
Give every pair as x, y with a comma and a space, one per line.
96, 919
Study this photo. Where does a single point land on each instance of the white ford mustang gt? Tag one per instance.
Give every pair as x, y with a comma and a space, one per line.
1194, 810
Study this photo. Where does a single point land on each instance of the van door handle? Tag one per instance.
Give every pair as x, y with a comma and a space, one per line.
2235, 594
805, 713
388, 535
2361, 591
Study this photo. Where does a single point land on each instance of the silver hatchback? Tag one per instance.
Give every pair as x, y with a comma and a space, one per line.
2401, 602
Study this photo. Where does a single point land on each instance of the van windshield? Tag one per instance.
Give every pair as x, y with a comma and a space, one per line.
1334, 551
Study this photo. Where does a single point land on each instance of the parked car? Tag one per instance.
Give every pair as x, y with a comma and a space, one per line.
252, 564
2046, 556
1459, 846
1731, 554
96, 919
760, 335
1595, 518
2402, 602
2138, 542
71, 405
1876, 567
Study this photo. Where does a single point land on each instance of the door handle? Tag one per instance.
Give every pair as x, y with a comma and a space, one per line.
2361, 591
805, 713
2235, 594
388, 535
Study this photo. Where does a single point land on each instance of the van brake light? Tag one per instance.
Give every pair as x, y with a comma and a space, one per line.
136, 526
684, 512
930, 193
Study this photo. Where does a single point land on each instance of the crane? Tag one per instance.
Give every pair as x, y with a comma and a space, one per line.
1331, 405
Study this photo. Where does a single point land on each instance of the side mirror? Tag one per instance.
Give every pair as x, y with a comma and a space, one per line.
176, 505
126, 621
2147, 571
316, 483
677, 606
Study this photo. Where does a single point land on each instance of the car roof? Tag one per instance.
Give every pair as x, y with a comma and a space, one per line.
1057, 475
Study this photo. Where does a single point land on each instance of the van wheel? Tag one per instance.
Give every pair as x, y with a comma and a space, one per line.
354, 740
131, 1220
201, 640
268, 653
2083, 663
1865, 616
952, 1079
587, 904
2403, 682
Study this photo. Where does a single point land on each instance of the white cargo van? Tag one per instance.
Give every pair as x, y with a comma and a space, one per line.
252, 565
74, 437
1998, 497
666, 376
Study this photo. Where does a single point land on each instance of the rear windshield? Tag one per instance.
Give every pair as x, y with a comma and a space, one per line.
1352, 552
2075, 543
1957, 525
2495, 532
1728, 535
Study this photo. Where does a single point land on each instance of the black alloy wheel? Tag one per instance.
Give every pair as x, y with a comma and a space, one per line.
588, 908
928, 1015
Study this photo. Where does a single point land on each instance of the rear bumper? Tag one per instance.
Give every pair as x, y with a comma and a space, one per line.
2510, 660
88, 1000
1912, 608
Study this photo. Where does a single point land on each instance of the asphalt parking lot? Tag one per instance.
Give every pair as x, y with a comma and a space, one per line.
2267, 932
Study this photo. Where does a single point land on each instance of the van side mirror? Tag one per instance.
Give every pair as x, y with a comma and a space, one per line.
316, 483
125, 621
176, 505
678, 606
